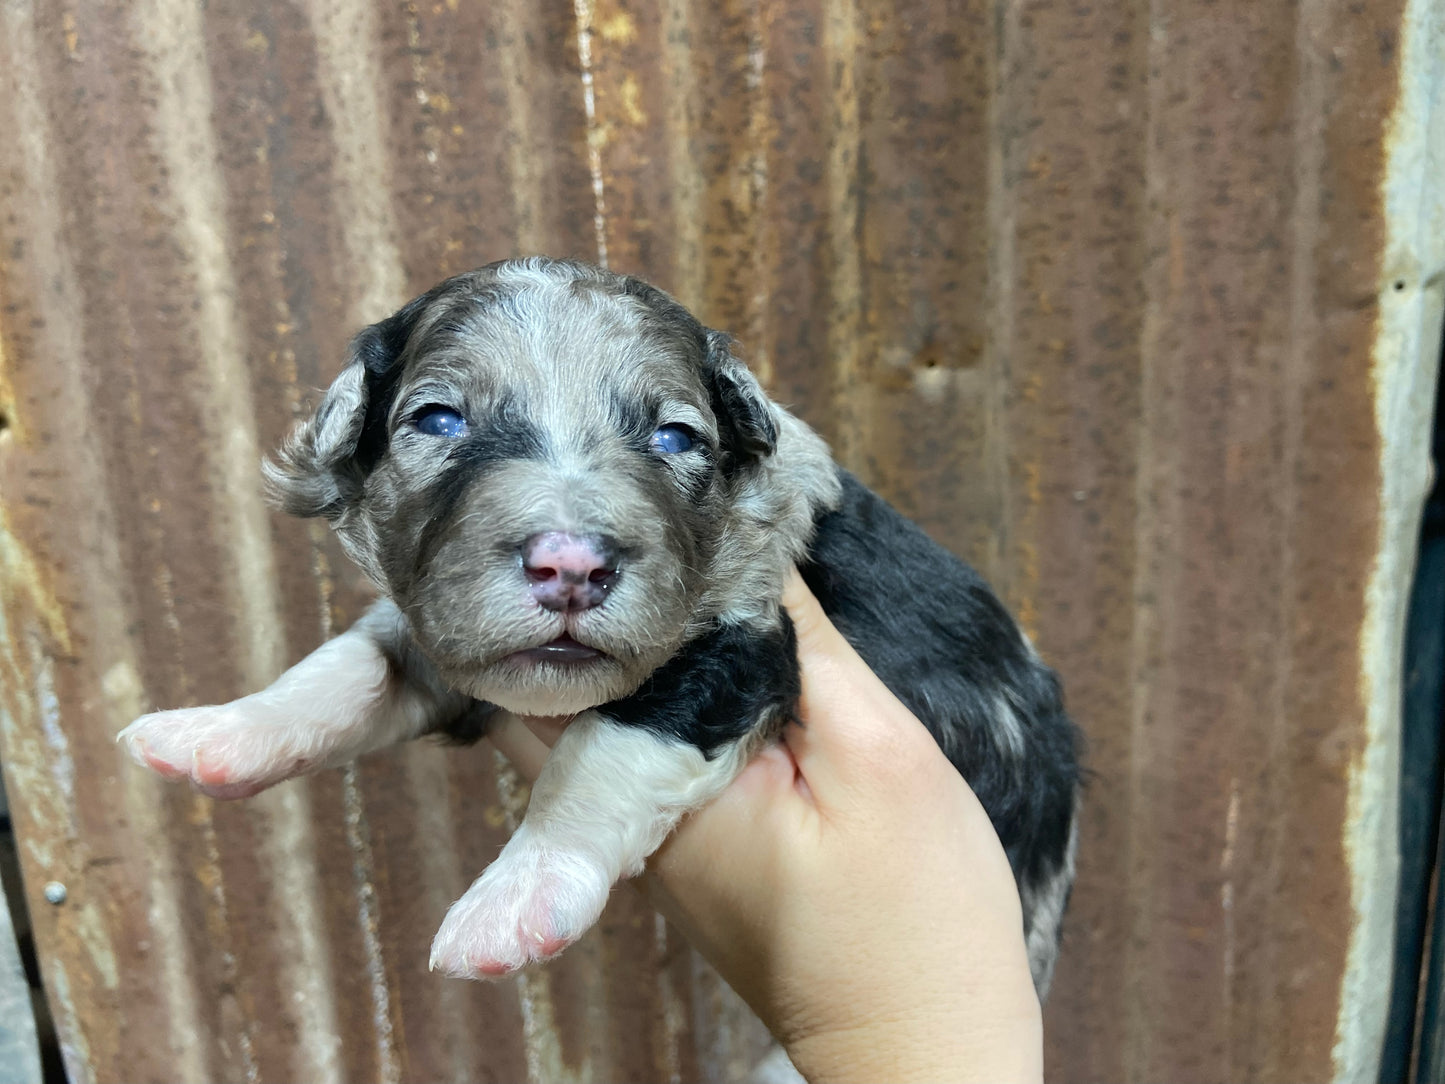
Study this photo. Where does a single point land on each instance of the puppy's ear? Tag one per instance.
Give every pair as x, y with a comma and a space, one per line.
747, 424
322, 466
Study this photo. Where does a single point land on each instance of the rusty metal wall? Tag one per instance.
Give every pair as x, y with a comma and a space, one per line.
1096, 292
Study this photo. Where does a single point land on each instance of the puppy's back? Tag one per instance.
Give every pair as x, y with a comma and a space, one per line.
937, 636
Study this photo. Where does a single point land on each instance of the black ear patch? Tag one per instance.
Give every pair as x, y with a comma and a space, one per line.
746, 422
322, 466
378, 350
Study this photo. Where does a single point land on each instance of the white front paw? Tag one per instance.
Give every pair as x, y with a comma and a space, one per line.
224, 750
528, 906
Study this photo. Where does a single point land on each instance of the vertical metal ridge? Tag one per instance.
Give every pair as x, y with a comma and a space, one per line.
760, 241
349, 76
283, 820
673, 1026
679, 121
530, 236
595, 135
218, 923
846, 321
76, 1019
446, 880
1265, 1006
363, 876
358, 837
166, 912
1015, 577
1135, 1056
169, 34
544, 1060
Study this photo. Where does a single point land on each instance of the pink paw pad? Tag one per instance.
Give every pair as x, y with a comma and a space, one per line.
492, 969
210, 771
163, 768
550, 946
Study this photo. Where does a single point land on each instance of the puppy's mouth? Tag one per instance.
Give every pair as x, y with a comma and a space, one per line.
563, 651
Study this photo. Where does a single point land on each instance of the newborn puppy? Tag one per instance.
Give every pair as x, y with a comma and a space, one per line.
575, 501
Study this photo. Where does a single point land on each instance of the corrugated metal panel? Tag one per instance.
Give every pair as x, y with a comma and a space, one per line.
1094, 292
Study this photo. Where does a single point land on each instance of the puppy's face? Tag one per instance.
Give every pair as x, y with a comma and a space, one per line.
544, 465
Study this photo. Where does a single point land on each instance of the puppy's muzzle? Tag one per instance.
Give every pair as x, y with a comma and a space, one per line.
568, 573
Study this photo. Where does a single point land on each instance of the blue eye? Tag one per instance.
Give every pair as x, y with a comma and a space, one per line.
670, 440
439, 421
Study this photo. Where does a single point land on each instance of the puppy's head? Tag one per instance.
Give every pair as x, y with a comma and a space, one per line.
559, 475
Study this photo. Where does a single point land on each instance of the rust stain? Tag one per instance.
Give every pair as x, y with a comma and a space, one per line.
619, 28
72, 35
11, 424
632, 101
25, 586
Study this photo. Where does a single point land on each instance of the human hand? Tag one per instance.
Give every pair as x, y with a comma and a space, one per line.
850, 887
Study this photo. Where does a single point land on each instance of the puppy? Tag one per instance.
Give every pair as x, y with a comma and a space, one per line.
575, 500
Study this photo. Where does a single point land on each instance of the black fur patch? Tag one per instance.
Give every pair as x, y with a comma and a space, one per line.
744, 418
745, 422
634, 420
934, 633
716, 688
506, 434
468, 727
379, 349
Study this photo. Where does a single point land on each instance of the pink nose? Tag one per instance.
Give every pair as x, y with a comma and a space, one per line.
569, 572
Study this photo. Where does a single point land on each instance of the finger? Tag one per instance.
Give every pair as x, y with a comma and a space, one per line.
853, 729
515, 740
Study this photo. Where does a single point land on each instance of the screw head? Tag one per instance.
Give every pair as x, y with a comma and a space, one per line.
55, 892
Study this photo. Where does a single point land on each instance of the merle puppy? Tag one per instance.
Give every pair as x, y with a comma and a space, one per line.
575, 500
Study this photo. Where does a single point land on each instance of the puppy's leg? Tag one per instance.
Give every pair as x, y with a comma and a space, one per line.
606, 799
365, 689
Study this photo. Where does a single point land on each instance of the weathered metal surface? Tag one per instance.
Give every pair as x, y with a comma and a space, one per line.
1097, 293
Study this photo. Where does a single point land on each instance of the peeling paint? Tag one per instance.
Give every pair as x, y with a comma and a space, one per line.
22, 582
86, 922
12, 426
1405, 359
595, 136
60, 762
74, 1050
350, 84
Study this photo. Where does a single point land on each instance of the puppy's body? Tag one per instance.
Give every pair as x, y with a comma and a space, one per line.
576, 501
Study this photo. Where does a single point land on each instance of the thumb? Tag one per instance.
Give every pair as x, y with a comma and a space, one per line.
853, 730
817, 635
